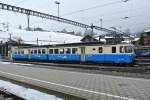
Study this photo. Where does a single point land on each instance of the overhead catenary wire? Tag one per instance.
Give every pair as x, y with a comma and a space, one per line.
20, 2
116, 13
91, 8
140, 8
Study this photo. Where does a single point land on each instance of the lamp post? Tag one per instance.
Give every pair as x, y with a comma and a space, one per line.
58, 3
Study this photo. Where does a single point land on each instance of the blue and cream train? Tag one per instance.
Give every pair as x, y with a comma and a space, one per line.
77, 52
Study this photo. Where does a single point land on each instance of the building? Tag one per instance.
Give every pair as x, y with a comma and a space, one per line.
110, 38
146, 38
6, 47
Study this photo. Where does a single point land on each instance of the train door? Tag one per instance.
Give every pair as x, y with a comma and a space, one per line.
82, 54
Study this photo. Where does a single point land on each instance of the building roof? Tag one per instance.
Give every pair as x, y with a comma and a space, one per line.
89, 38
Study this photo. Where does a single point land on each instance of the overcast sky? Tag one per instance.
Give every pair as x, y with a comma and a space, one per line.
112, 12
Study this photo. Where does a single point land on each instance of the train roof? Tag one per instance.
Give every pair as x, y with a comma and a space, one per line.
71, 45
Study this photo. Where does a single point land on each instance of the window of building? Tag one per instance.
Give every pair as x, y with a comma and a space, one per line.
35, 51
121, 49
94, 49
74, 50
68, 51
100, 49
56, 51
43, 51
50, 51
61, 51
113, 49
39, 51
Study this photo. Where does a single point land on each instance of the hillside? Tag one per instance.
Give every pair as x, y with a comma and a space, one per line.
44, 38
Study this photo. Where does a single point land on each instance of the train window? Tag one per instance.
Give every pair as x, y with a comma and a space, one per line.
22, 52
128, 49
56, 51
35, 51
39, 51
100, 50
61, 51
43, 51
113, 49
18, 52
68, 51
31, 51
50, 51
74, 50
121, 49
15, 52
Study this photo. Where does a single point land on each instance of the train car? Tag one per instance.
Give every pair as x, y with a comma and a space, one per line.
32, 53
143, 51
38, 54
81, 52
20, 54
65, 54
119, 54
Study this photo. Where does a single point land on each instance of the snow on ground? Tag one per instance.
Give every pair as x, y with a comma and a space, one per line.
43, 37
26, 93
148, 30
7, 63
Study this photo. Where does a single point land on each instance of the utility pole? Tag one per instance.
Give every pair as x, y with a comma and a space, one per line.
101, 25
6, 26
101, 22
37, 41
92, 27
28, 21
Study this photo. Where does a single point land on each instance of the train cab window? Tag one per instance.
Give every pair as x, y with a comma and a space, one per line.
61, 51
121, 49
39, 51
128, 49
68, 51
74, 50
43, 51
56, 51
113, 49
35, 51
50, 51
100, 49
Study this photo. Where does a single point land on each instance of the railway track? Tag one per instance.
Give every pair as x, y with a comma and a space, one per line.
136, 71
92, 67
5, 95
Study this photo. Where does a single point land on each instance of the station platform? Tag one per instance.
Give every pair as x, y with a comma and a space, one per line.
88, 86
